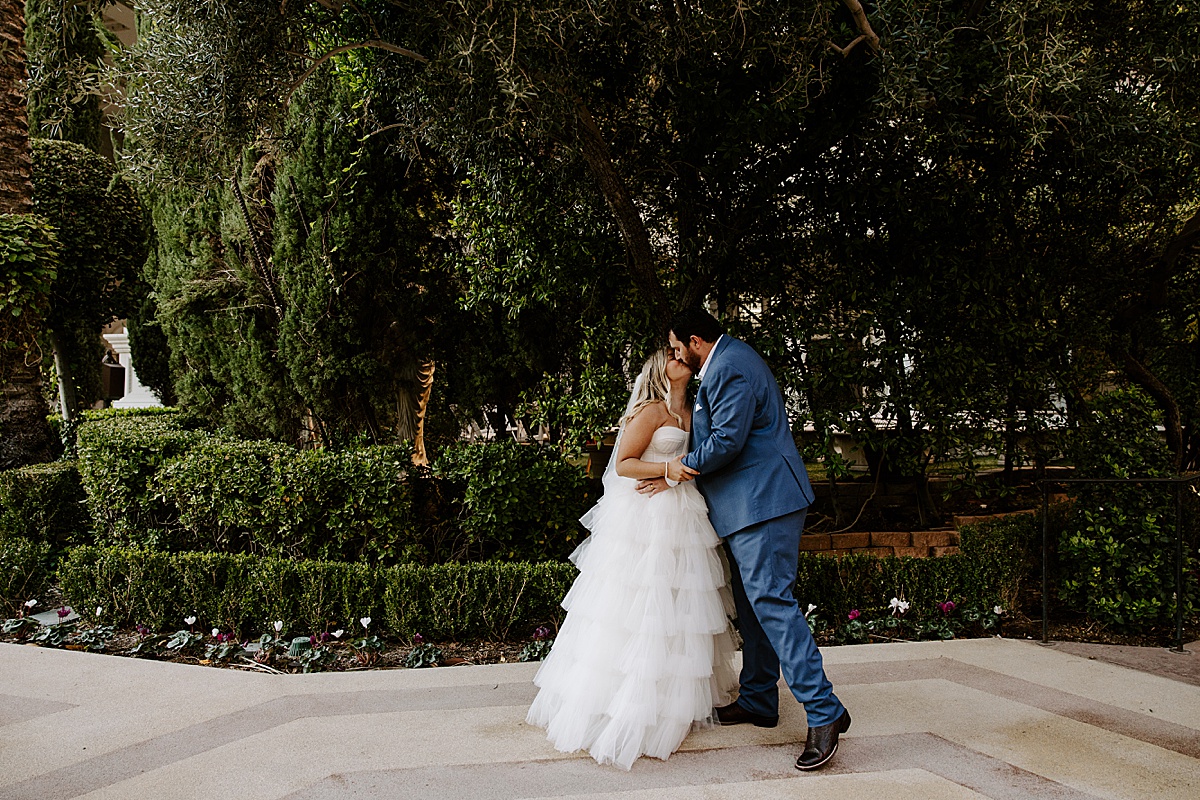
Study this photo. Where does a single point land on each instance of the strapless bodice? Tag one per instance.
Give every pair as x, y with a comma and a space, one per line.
666, 443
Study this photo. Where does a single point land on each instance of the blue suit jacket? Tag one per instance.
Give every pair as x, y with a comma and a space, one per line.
750, 470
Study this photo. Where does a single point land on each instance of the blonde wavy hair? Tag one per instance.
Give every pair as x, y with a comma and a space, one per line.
652, 386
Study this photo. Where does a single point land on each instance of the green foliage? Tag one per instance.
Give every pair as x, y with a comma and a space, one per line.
44, 503
423, 655
24, 570
1117, 551
102, 230
118, 458
29, 263
994, 558
150, 349
518, 501
270, 499
65, 53
152, 482
244, 593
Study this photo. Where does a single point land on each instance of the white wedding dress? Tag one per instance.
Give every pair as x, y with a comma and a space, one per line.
645, 650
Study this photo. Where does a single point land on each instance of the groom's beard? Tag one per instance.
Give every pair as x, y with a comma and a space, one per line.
692, 360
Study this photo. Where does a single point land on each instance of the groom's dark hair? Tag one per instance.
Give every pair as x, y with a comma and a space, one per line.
696, 322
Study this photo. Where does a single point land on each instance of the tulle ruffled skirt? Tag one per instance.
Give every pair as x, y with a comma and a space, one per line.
645, 650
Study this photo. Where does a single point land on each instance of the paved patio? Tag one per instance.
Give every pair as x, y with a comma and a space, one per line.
963, 719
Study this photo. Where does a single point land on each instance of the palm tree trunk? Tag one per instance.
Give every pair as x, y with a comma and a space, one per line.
16, 186
25, 436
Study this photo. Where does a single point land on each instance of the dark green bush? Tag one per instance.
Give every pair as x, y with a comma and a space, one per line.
271, 499
24, 571
46, 503
994, 558
245, 593
118, 458
1117, 551
517, 501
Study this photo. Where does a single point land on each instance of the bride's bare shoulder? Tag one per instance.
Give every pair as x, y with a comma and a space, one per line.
655, 412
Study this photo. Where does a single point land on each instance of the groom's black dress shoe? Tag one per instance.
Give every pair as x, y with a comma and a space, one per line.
822, 743
733, 714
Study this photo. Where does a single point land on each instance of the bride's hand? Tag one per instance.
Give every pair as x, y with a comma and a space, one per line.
652, 486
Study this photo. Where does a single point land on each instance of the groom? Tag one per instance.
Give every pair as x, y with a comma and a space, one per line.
758, 495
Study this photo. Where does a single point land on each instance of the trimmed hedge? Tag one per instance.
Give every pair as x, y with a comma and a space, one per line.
994, 558
245, 593
45, 503
24, 571
271, 499
517, 501
118, 458
151, 482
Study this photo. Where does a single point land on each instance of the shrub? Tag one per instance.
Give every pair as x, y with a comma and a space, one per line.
24, 570
118, 458
271, 499
994, 558
517, 501
1117, 551
44, 502
244, 593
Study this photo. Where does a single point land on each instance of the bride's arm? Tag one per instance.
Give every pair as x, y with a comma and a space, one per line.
636, 439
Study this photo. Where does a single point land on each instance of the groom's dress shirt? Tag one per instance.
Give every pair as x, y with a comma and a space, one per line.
704, 367
742, 446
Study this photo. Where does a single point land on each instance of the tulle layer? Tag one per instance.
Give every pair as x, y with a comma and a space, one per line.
645, 651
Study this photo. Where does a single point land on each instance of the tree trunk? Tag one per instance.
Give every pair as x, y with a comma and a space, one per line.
1172, 423
16, 186
420, 457
642, 262
25, 436
68, 404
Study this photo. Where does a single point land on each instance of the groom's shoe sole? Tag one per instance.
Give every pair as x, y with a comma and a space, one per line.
733, 714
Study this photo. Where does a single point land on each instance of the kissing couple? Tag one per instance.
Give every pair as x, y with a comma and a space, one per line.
645, 652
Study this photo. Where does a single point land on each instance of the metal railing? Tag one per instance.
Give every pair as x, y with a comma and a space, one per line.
1178, 482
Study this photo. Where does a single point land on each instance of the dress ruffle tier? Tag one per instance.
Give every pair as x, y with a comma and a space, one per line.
645, 650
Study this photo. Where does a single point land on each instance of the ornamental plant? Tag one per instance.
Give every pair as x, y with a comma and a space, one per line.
423, 654
539, 648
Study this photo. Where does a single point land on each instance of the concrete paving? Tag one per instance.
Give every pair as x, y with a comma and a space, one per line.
962, 719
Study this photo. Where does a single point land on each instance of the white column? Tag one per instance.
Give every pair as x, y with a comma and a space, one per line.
136, 395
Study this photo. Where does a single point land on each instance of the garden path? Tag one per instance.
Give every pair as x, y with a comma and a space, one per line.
977, 718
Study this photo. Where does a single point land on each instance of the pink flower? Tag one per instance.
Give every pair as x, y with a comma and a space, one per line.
64, 612
946, 607
855, 614
418, 639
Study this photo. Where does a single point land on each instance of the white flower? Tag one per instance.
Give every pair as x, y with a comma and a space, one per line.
30, 603
99, 610
898, 606
811, 608
366, 622
216, 632
338, 633
190, 620
998, 610
278, 625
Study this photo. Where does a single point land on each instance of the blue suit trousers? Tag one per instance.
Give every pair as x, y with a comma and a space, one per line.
775, 635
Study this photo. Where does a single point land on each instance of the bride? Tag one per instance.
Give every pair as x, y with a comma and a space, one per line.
644, 652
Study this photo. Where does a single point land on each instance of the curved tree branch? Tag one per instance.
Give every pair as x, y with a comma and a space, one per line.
643, 264
1142, 376
863, 24
378, 44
